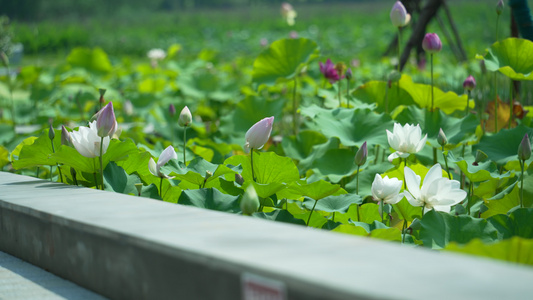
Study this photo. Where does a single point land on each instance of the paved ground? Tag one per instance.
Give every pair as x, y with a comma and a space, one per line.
21, 280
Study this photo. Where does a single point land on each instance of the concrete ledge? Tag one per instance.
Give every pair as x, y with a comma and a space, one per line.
126, 247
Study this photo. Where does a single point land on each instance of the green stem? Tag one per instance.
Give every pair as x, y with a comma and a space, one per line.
348, 93
58, 167
161, 188
381, 210
102, 162
358, 215
376, 154
339, 92
252, 163
399, 49
405, 165
37, 172
51, 173
435, 155
11, 96
404, 227
333, 218
294, 108
446, 163
432, 102
309, 219
496, 102
357, 181
184, 144
510, 105
95, 180
497, 28
463, 179
522, 163
467, 98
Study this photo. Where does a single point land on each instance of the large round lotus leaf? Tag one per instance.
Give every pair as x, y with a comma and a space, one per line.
515, 249
283, 60
503, 146
512, 57
378, 92
91, 59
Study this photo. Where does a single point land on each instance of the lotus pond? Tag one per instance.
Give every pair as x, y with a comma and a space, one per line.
420, 157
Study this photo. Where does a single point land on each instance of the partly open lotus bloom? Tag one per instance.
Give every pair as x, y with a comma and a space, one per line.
106, 123
398, 15
405, 140
431, 43
437, 192
164, 158
329, 71
387, 189
87, 141
258, 134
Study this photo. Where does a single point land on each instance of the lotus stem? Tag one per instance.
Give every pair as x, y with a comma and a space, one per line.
498, 28
381, 207
58, 167
467, 98
184, 144
522, 163
309, 219
348, 93
446, 163
294, 109
399, 49
339, 92
510, 105
161, 188
435, 155
357, 181
102, 162
95, 180
252, 163
432, 100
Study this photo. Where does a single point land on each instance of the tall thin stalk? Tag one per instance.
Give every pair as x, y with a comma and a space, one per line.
309, 219
294, 108
432, 98
102, 162
252, 162
184, 145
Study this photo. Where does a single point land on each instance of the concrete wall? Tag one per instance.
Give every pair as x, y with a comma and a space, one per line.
126, 247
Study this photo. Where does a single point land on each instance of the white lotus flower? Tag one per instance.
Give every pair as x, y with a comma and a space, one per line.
258, 134
405, 140
165, 157
156, 54
87, 141
437, 192
398, 15
387, 189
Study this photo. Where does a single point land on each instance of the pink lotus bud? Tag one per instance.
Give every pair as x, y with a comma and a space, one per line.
469, 83
432, 43
258, 134
106, 122
398, 15
524, 150
171, 109
499, 7
361, 155
185, 117
349, 74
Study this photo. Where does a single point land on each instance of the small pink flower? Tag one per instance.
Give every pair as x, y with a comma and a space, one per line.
432, 43
329, 71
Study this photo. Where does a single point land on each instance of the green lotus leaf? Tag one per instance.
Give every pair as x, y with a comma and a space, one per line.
517, 223
512, 57
283, 60
91, 59
515, 249
315, 190
340, 203
502, 147
210, 198
268, 167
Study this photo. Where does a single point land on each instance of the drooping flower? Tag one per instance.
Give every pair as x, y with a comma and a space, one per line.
87, 141
469, 83
258, 134
398, 15
288, 13
431, 43
437, 192
329, 71
167, 154
405, 140
106, 123
185, 117
387, 189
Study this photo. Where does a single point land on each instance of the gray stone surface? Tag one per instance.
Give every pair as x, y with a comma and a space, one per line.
126, 247
21, 280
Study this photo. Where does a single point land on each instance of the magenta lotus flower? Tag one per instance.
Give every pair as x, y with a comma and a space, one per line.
469, 83
258, 134
106, 123
398, 15
330, 72
432, 43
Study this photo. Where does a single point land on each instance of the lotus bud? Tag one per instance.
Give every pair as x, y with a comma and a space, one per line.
398, 15
524, 150
65, 136
106, 123
480, 157
171, 109
349, 74
185, 117
51, 133
250, 201
208, 174
441, 138
499, 7
432, 43
361, 155
258, 134
239, 179
469, 83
